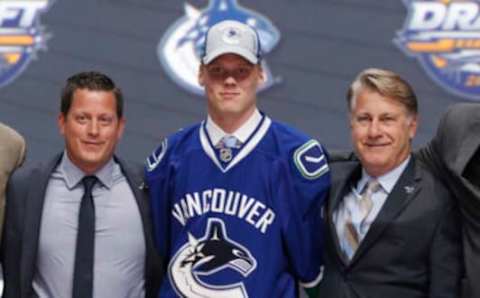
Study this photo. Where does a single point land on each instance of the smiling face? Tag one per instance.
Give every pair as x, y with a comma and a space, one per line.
91, 129
382, 131
231, 84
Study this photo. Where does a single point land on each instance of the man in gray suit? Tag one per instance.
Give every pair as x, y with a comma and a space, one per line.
12, 155
392, 228
454, 154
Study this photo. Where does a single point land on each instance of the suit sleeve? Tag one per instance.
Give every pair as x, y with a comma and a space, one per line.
306, 184
12, 150
22, 148
11, 243
14, 147
430, 155
157, 176
446, 267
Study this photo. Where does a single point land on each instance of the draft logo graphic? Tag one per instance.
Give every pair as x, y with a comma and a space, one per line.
181, 46
199, 259
21, 36
444, 36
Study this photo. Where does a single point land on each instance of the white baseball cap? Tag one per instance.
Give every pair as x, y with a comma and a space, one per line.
231, 37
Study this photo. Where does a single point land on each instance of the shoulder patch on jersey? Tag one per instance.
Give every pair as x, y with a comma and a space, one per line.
154, 160
310, 160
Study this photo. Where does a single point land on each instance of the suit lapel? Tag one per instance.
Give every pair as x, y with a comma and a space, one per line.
338, 193
135, 180
401, 195
469, 146
33, 214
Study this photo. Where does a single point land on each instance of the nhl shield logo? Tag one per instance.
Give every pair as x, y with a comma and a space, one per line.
21, 36
180, 48
444, 36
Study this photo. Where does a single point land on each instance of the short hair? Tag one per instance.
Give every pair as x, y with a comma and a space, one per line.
386, 83
90, 80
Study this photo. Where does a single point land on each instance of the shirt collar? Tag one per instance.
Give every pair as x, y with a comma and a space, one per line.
73, 175
387, 180
242, 133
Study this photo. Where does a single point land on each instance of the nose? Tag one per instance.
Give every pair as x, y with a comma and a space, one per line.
230, 80
93, 128
374, 129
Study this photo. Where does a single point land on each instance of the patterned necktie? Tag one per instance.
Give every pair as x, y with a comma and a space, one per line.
231, 142
365, 205
84, 253
225, 146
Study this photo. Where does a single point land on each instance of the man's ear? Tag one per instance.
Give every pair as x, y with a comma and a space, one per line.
61, 123
121, 127
261, 74
201, 75
412, 127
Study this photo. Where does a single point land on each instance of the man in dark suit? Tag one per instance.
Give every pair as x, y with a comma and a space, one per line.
79, 226
454, 154
392, 228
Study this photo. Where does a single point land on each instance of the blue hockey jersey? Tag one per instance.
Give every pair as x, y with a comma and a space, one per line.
244, 226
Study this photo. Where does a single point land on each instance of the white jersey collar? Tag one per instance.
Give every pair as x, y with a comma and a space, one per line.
249, 144
216, 133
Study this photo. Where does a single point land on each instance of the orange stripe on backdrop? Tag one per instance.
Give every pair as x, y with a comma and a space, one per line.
16, 40
443, 45
468, 44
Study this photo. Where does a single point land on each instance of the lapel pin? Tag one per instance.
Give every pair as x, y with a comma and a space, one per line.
409, 189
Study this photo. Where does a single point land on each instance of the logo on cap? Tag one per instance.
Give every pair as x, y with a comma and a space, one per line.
231, 36
444, 37
21, 36
182, 46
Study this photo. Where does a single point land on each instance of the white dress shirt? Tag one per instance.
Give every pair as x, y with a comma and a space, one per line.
349, 206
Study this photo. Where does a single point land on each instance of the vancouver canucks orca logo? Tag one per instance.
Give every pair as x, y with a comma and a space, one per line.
181, 47
212, 254
444, 36
21, 36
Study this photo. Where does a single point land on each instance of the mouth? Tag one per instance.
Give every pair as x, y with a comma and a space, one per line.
229, 95
92, 144
374, 145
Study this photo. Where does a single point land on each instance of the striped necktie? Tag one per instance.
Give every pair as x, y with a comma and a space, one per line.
365, 205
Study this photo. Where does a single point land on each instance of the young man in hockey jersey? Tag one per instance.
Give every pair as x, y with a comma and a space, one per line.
236, 199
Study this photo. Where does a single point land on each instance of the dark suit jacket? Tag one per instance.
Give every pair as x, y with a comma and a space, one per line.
25, 198
451, 154
411, 250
